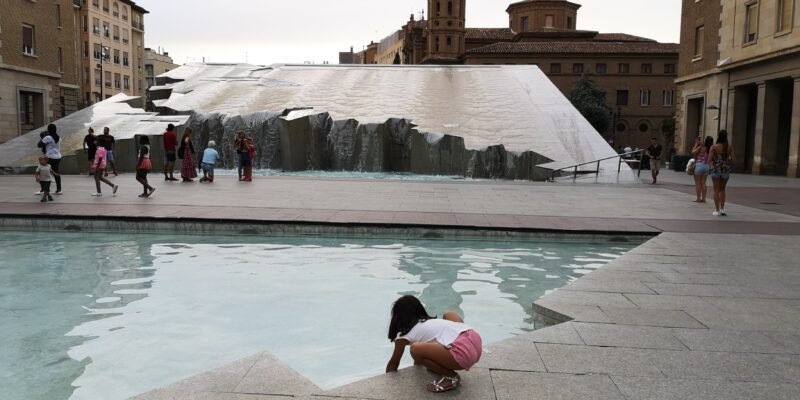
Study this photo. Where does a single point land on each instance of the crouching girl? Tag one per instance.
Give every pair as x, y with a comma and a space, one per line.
444, 345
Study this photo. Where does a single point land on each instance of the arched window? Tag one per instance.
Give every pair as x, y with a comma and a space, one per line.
644, 127
115, 10
105, 5
622, 126
125, 13
438, 8
450, 8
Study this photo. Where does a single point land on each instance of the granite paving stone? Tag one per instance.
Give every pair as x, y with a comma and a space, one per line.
598, 360
610, 335
409, 384
641, 388
518, 354
662, 318
271, 376
786, 367
563, 333
713, 365
734, 341
536, 386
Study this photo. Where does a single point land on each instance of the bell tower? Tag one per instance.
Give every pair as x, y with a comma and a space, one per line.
445, 30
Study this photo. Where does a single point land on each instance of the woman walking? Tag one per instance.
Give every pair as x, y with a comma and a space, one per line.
186, 152
701, 169
99, 165
720, 157
144, 166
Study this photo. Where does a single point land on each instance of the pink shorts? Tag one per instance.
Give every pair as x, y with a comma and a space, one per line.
467, 348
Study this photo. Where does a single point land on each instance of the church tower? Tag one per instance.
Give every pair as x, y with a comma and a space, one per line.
445, 31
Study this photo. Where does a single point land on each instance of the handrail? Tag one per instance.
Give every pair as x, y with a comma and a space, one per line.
597, 171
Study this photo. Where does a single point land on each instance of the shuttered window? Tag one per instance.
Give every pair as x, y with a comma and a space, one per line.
28, 40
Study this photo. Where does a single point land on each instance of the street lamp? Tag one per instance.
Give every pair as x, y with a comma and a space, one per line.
100, 66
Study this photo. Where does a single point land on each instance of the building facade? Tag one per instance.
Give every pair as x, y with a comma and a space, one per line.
155, 64
740, 71
39, 69
112, 41
637, 73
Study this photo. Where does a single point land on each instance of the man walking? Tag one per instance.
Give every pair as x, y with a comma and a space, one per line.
654, 152
108, 141
170, 144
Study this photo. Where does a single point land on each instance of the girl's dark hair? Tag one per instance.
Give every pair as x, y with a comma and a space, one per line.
407, 311
51, 129
708, 143
722, 138
144, 139
101, 141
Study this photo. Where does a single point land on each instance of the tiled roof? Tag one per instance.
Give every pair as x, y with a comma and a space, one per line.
576, 48
620, 37
490, 33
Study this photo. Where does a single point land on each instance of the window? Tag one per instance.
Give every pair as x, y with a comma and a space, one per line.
644, 97
124, 36
86, 49
86, 23
96, 4
28, 40
555, 68
785, 15
107, 79
58, 15
621, 127
699, 40
524, 24
117, 81
569, 22
669, 68
86, 76
450, 8
125, 13
116, 56
624, 68
96, 26
116, 33
115, 10
105, 6
106, 29
126, 82
98, 52
437, 41
125, 58
750, 23
601, 68
548, 21
577, 68
644, 127
622, 97
438, 8
449, 42
669, 98
59, 56
647, 68
98, 78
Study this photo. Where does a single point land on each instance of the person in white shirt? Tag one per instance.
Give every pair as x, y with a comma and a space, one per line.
51, 143
444, 345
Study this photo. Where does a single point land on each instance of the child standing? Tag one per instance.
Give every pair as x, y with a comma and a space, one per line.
99, 166
210, 158
444, 345
43, 176
144, 166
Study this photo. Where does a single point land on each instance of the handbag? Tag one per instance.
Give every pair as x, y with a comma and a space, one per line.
181, 151
690, 166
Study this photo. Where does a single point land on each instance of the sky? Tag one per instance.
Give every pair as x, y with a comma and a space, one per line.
297, 31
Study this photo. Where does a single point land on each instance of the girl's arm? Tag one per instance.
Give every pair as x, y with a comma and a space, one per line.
399, 348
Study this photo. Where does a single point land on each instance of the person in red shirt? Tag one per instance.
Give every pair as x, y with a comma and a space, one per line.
170, 144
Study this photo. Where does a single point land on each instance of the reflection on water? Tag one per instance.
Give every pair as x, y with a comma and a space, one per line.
111, 316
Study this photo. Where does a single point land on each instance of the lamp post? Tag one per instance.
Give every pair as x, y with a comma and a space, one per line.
100, 66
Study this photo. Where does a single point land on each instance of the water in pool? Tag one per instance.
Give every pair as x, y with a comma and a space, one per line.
108, 316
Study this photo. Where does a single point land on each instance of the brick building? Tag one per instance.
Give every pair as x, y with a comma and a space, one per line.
112, 40
637, 73
739, 70
39, 70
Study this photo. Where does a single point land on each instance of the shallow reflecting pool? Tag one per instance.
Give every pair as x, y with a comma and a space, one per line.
108, 316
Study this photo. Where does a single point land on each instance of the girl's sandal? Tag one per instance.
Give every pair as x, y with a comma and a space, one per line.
445, 384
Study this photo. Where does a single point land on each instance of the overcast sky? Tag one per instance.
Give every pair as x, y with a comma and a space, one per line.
273, 31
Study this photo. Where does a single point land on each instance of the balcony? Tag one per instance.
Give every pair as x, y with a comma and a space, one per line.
138, 26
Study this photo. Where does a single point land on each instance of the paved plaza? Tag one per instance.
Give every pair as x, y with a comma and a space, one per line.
709, 308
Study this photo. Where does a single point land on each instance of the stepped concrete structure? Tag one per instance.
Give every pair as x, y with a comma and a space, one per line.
501, 122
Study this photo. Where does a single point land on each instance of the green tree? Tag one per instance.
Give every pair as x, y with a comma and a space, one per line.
590, 101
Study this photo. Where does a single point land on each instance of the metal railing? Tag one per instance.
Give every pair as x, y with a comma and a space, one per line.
632, 157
